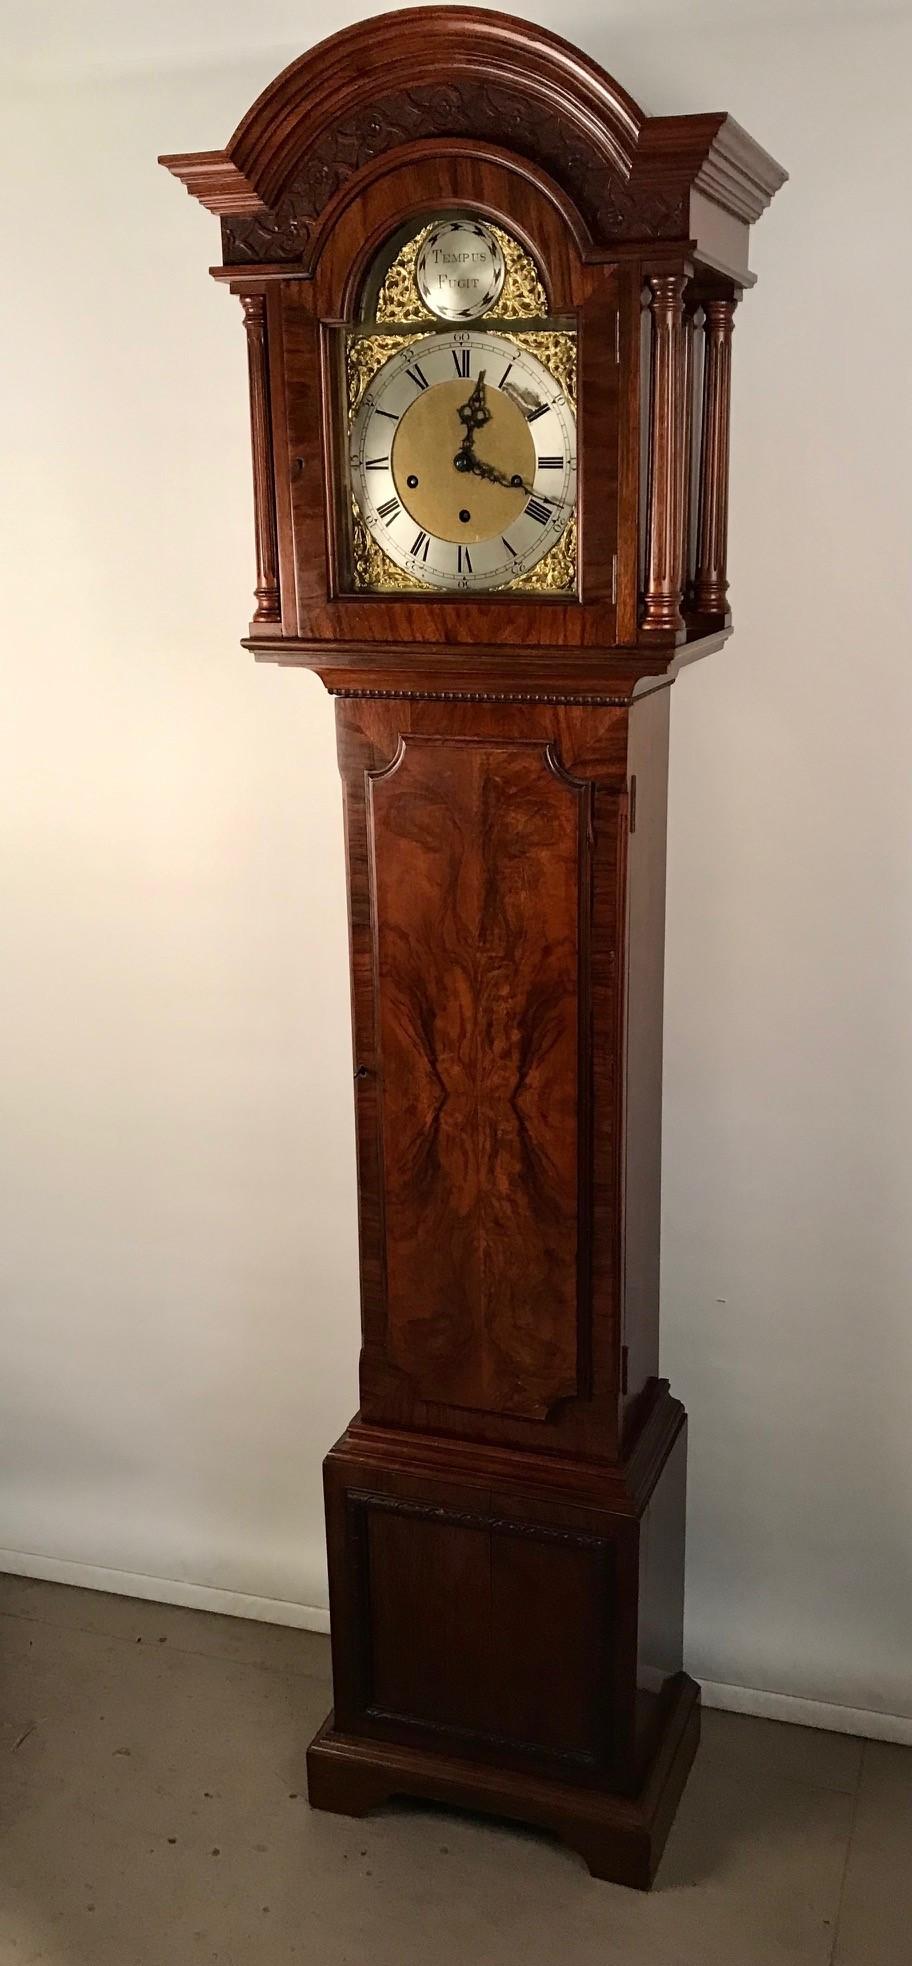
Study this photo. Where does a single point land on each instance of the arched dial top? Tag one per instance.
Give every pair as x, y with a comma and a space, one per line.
463, 459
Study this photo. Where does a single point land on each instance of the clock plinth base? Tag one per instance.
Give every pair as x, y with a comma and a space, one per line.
507, 1630
620, 1838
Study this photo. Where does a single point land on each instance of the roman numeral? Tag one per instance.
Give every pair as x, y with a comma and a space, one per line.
417, 376
380, 463
423, 540
536, 510
550, 464
463, 358
532, 415
510, 549
463, 560
505, 375
389, 510
392, 414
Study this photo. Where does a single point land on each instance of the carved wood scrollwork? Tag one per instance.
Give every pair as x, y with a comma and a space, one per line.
464, 108
267, 576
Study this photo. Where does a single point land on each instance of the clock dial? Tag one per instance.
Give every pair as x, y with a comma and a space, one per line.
463, 460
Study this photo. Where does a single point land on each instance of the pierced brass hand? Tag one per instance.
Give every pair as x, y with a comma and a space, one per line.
475, 412
483, 470
472, 416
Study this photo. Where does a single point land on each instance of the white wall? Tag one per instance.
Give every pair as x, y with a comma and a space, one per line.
179, 1328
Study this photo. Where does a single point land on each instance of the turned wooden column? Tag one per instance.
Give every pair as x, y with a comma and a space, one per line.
267, 577
665, 538
710, 581
687, 396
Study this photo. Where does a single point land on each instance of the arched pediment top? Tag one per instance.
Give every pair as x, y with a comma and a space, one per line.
433, 57
449, 75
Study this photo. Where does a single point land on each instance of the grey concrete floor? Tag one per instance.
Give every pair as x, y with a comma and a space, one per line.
153, 1805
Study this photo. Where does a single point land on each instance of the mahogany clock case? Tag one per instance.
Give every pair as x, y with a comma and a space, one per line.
505, 1514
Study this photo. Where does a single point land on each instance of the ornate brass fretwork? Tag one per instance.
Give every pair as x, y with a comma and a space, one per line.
556, 350
372, 570
522, 297
555, 573
365, 354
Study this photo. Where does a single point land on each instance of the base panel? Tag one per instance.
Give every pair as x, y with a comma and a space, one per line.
621, 1838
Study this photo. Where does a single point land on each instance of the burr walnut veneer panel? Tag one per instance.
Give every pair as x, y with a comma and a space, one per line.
475, 845
487, 891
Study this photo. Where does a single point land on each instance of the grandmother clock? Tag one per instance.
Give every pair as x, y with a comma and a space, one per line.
488, 306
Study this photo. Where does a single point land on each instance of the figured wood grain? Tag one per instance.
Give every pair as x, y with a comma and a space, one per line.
592, 744
474, 845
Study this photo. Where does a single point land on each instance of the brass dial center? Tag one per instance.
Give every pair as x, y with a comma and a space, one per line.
434, 493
